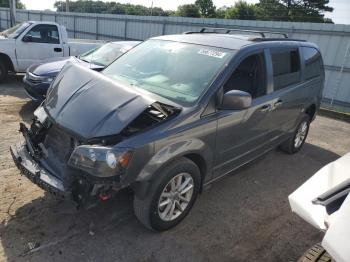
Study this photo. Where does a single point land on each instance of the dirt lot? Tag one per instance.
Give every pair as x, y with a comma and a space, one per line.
243, 217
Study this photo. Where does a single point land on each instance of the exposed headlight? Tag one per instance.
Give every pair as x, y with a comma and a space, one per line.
100, 161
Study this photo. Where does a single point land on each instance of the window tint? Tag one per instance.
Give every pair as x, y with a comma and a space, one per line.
313, 62
44, 34
249, 76
286, 67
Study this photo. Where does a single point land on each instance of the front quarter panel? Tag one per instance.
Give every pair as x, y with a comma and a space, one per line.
195, 138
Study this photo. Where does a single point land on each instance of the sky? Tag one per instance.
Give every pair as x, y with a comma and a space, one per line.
340, 15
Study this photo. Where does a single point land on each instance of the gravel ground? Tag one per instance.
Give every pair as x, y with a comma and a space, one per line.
242, 217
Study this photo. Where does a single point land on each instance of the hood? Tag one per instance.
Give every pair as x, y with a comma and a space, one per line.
51, 67
90, 104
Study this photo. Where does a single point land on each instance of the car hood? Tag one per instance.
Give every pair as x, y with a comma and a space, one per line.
90, 104
52, 66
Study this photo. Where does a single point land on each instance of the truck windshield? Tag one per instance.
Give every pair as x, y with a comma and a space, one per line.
16, 30
105, 54
178, 71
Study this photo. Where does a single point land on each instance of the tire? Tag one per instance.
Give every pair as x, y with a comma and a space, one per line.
3, 71
316, 254
149, 210
290, 146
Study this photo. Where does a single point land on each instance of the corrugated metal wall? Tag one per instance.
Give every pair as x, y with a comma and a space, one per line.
333, 40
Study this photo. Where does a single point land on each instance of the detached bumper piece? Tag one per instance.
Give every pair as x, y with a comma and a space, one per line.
39, 176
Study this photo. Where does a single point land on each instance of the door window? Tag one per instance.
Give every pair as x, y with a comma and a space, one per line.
44, 34
313, 62
286, 67
249, 76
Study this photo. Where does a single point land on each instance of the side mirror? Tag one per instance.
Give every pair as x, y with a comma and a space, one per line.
236, 99
27, 38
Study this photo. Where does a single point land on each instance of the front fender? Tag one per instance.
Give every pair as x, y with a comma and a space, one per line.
188, 147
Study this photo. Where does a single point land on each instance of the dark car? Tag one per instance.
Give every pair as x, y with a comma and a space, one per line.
170, 116
39, 76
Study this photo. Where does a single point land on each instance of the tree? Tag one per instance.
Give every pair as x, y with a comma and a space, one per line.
89, 6
206, 8
6, 3
243, 10
296, 10
220, 12
190, 10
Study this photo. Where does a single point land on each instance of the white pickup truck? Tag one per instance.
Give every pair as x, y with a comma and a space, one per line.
31, 42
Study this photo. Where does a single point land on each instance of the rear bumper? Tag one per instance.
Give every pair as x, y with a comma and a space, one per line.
38, 175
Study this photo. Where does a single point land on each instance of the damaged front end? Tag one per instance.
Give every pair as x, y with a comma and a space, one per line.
71, 148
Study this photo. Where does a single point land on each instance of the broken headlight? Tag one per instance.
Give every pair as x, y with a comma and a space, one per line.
99, 160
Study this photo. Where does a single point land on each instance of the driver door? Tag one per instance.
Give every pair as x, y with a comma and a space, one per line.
39, 43
242, 135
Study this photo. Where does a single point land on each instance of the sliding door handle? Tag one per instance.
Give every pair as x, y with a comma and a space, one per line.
265, 108
278, 103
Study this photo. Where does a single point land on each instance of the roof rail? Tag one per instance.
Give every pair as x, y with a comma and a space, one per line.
229, 30
275, 39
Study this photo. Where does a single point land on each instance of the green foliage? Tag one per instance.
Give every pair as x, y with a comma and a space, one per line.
89, 6
206, 8
275, 10
188, 11
6, 3
295, 10
243, 10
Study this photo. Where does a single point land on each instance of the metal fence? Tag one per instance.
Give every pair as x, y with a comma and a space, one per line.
333, 39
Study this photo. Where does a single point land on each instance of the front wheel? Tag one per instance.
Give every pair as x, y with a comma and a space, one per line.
297, 140
171, 196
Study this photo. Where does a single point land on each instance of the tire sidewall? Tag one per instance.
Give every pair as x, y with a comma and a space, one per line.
164, 177
306, 119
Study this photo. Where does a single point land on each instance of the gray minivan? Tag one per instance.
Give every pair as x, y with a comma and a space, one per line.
170, 116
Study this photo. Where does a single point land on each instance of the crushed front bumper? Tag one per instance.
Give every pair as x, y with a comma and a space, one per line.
38, 175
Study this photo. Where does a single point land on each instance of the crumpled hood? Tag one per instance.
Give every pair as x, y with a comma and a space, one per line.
90, 104
52, 66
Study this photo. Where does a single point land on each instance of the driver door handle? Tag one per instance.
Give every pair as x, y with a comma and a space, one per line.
57, 49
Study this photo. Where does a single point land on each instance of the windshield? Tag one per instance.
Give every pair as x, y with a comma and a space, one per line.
178, 71
105, 54
15, 31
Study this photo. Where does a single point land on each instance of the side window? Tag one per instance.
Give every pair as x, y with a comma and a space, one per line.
286, 67
249, 76
313, 62
44, 34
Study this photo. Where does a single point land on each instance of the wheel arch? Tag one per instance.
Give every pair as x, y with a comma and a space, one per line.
311, 111
193, 149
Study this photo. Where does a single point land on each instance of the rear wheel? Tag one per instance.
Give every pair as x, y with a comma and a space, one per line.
3, 71
316, 254
297, 140
171, 196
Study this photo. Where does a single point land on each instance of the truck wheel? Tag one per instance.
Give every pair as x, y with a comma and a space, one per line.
297, 140
3, 71
170, 197
316, 254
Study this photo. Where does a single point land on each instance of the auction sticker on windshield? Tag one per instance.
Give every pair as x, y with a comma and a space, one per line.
212, 53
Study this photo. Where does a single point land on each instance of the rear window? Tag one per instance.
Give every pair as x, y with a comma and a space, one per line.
286, 67
313, 62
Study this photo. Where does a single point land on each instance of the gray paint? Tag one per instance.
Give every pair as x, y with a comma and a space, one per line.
224, 139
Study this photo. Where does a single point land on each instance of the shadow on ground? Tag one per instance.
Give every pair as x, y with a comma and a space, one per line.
242, 217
